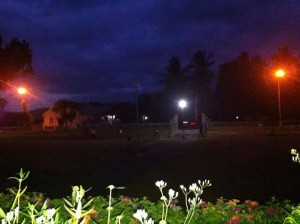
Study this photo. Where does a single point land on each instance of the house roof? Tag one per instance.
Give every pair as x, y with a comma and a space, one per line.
87, 109
38, 112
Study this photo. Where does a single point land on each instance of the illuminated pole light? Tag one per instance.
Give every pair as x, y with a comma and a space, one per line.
136, 87
23, 91
182, 104
279, 74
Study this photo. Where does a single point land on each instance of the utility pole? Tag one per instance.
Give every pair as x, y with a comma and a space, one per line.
136, 87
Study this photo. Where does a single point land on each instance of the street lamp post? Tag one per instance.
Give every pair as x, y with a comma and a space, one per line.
279, 74
23, 91
136, 87
182, 104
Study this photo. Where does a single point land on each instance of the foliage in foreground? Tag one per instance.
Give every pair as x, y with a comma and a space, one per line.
18, 207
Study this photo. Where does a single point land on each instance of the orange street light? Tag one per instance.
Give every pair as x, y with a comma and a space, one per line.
22, 90
279, 74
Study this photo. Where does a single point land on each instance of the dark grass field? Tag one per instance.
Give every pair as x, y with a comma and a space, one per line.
243, 163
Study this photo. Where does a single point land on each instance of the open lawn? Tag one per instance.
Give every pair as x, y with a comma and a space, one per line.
243, 163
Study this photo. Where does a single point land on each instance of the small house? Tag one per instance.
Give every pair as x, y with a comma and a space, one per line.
50, 120
84, 115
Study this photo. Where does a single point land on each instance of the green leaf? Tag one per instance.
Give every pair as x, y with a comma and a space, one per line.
21, 172
44, 206
68, 202
23, 191
13, 178
12, 191
87, 212
88, 203
69, 210
2, 213
56, 219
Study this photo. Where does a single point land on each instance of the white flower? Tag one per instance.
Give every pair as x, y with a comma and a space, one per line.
78, 214
172, 194
119, 217
293, 151
141, 215
150, 221
50, 213
163, 198
193, 202
204, 183
193, 187
3, 221
160, 184
10, 216
111, 187
16, 211
183, 188
40, 220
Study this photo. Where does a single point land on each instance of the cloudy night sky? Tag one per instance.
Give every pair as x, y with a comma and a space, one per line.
93, 50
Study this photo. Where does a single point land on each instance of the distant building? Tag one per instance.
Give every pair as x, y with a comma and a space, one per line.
50, 120
85, 115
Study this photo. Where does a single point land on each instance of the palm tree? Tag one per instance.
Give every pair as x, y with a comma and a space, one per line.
174, 87
201, 77
172, 77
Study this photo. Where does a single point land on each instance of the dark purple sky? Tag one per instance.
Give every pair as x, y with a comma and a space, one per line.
87, 50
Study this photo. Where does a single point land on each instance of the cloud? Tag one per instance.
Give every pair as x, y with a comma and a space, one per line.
97, 49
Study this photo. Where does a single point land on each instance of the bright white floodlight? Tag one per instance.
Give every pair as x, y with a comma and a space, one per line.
182, 104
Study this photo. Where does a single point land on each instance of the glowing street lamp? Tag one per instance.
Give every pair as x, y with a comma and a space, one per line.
182, 104
23, 91
279, 74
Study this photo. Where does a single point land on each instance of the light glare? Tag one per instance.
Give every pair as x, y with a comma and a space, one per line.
182, 104
280, 73
22, 90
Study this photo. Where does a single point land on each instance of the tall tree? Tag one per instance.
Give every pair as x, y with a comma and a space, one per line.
201, 78
173, 78
67, 110
15, 61
241, 88
175, 87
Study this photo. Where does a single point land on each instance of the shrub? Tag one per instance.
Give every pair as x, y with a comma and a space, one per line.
16, 206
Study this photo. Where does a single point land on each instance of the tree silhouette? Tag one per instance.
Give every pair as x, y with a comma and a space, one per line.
173, 79
174, 88
15, 61
201, 77
241, 88
67, 110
